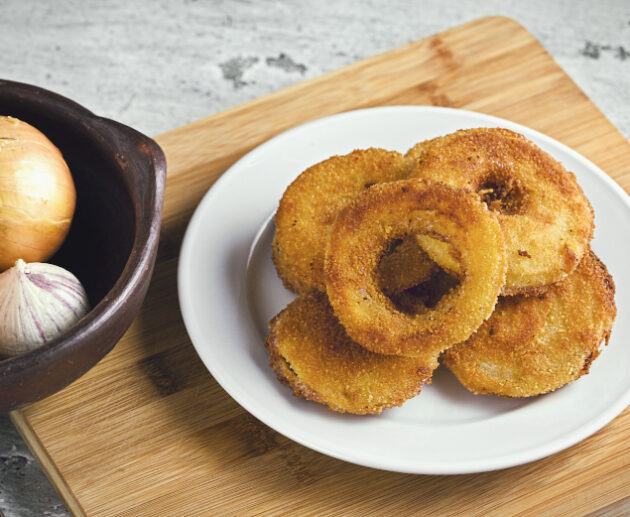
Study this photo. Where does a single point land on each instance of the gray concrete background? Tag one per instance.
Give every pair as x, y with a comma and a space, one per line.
158, 65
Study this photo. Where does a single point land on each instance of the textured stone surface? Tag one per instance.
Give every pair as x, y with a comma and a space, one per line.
24, 490
158, 65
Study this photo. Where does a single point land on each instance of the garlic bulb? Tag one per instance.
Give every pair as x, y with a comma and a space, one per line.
38, 302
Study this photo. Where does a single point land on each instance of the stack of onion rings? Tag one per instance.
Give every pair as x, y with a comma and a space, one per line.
400, 260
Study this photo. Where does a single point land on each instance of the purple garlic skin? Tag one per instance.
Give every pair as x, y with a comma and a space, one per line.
38, 302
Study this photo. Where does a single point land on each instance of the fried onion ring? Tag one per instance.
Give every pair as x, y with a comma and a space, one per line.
536, 344
389, 211
310, 205
311, 352
545, 217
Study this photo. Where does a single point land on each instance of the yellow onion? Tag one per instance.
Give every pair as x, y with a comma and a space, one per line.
37, 194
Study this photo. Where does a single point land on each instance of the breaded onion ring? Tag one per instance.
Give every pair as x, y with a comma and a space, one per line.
389, 211
545, 217
311, 352
536, 344
310, 205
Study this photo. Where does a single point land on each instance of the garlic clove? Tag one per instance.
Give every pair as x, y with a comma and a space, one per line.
38, 302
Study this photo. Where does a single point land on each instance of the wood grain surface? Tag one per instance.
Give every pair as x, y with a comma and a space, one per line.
149, 432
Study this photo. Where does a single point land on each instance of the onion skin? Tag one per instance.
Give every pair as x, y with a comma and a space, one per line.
37, 194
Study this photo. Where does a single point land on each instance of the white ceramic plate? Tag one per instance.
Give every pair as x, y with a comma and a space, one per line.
228, 291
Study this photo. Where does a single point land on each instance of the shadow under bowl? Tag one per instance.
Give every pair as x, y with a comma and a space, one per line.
119, 176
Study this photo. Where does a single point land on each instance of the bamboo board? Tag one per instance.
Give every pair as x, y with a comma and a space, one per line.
149, 432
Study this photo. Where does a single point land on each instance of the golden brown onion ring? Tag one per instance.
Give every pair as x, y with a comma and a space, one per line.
545, 217
311, 352
310, 205
390, 211
536, 344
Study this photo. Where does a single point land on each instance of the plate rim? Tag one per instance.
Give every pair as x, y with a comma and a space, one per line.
293, 431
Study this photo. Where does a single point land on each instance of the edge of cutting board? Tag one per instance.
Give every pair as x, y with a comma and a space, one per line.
46, 463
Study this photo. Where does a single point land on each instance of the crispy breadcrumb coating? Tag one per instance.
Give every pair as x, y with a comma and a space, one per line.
536, 344
545, 217
310, 352
391, 211
310, 206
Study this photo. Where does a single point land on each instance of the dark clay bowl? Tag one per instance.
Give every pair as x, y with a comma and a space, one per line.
119, 176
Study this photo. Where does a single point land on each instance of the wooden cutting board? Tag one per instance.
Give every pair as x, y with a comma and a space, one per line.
149, 432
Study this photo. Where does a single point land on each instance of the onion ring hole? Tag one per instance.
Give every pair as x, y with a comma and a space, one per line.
425, 295
503, 193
